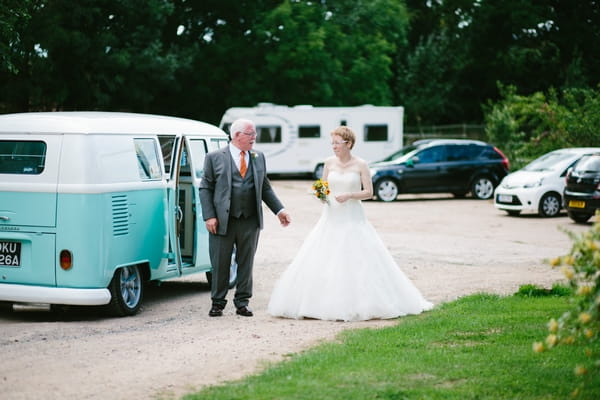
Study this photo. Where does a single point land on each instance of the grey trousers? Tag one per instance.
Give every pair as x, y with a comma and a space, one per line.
242, 233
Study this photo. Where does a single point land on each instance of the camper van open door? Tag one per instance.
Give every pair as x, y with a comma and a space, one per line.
296, 139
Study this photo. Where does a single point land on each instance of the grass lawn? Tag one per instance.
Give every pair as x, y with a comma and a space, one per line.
478, 347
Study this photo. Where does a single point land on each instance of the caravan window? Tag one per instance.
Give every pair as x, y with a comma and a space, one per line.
22, 157
312, 131
376, 133
268, 134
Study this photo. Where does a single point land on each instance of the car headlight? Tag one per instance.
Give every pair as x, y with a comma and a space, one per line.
373, 171
533, 184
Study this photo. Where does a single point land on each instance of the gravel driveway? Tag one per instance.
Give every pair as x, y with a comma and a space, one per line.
448, 247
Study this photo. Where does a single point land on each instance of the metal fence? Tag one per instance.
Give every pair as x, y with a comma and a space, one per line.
456, 131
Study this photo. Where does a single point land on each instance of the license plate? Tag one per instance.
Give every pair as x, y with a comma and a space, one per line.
10, 254
504, 198
576, 204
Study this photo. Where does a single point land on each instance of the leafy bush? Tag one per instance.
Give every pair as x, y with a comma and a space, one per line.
582, 323
526, 127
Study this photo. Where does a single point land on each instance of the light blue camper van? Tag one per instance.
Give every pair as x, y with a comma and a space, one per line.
93, 204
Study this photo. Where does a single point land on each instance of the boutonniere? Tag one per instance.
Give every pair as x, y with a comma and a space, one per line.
253, 155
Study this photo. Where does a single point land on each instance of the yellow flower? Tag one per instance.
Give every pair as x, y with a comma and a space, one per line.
538, 347
580, 370
588, 333
584, 290
568, 272
551, 340
569, 340
569, 260
555, 262
584, 317
553, 326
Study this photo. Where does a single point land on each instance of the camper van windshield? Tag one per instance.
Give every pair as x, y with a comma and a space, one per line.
22, 157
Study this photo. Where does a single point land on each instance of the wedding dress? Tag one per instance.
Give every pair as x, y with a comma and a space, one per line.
343, 271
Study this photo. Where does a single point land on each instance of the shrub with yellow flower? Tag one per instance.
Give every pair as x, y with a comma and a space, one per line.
581, 267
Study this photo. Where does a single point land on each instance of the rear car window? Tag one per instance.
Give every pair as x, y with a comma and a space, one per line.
22, 157
491, 154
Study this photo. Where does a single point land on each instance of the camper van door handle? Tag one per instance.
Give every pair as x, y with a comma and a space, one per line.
179, 214
4, 218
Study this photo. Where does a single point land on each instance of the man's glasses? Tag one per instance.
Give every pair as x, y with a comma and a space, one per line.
339, 143
252, 134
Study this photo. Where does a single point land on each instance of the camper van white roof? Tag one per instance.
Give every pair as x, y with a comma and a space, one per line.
95, 122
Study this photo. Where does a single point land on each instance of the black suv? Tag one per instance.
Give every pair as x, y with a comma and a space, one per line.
582, 190
456, 166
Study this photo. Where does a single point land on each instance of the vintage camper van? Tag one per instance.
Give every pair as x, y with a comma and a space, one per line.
94, 204
296, 139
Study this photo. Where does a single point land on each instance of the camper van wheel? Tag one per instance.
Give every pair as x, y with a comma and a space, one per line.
386, 189
126, 291
318, 174
232, 273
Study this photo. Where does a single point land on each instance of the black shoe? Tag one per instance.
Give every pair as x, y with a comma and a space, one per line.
244, 311
215, 311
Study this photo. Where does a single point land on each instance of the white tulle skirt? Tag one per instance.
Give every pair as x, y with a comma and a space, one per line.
343, 271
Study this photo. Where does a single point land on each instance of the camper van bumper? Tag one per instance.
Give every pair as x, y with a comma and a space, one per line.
52, 295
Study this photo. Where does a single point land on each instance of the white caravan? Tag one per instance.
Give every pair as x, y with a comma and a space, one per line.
296, 139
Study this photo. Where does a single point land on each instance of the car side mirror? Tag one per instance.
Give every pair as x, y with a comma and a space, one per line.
412, 161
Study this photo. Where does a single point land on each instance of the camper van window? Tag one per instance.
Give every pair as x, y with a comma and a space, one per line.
376, 133
167, 144
147, 157
22, 157
198, 150
268, 134
313, 131
216, 144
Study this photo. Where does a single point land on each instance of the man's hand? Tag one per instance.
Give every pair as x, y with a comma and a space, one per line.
211, 225
284, 218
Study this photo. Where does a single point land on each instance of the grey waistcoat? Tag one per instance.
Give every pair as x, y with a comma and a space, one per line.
243, 196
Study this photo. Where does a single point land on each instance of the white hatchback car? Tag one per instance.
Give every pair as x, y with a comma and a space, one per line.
538, 186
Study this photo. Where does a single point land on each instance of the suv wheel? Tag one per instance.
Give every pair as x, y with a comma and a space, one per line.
386, 189
482, 188
549, 205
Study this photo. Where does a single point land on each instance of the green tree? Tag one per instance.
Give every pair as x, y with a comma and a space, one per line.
531, 45
526, 127
331, 52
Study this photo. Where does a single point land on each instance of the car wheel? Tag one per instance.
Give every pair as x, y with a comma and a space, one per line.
232, 273
386, 189
318, 174
579, 217
482, 188
126, 291
513, 213
550, 205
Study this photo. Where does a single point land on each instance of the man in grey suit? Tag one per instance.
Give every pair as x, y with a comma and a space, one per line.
232, 190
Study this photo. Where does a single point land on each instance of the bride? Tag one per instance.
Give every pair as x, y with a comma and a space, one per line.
343, 271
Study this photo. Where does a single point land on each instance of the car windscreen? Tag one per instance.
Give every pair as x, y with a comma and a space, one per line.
588, 164
403, 151
548, 161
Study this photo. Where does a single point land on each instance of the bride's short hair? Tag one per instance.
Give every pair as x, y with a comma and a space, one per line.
345, 133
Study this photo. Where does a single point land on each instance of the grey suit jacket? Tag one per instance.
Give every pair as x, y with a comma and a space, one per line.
215, 187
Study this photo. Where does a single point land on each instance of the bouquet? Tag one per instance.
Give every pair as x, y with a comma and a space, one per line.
321, 190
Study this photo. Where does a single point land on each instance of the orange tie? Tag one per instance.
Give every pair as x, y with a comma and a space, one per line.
243, 166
